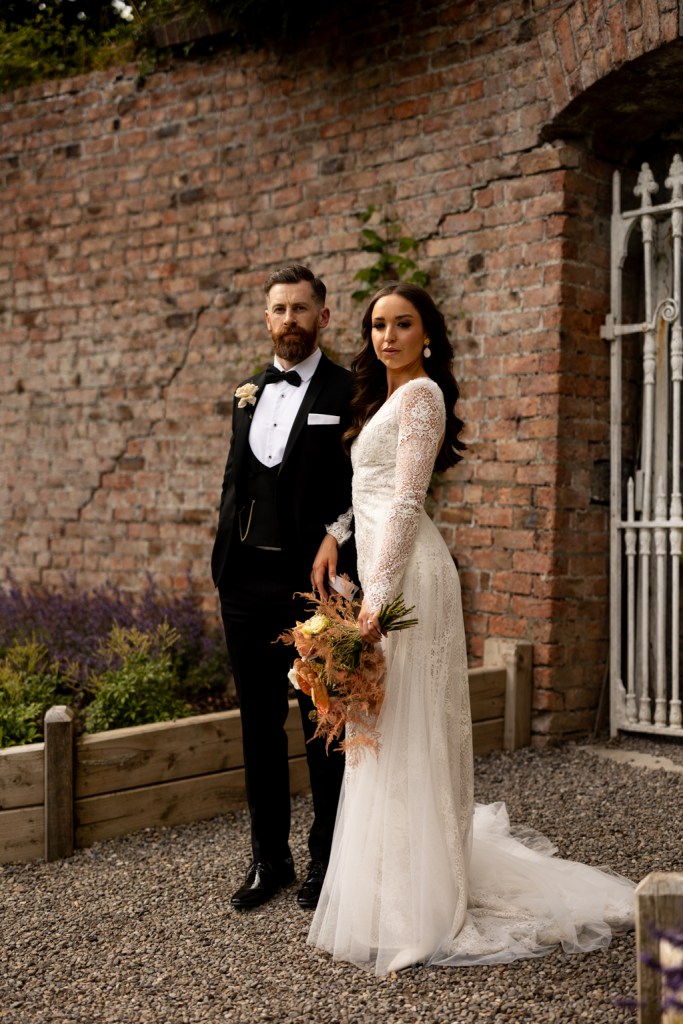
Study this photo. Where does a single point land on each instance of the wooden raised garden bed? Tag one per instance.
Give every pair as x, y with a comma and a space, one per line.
60, 794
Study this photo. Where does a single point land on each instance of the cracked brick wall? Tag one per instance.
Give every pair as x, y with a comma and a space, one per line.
139, 220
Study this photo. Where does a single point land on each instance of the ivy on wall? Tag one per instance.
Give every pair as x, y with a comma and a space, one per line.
395, 255
42, 39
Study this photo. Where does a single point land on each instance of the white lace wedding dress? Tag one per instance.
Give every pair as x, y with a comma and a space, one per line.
417, 874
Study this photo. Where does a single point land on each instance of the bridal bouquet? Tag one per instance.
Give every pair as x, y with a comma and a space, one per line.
342, 673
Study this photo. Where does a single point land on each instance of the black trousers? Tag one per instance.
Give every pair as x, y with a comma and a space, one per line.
257, 604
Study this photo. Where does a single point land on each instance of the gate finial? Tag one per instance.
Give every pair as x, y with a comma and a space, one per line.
675, 179
646, 186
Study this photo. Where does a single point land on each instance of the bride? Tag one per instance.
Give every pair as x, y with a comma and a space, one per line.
417, 873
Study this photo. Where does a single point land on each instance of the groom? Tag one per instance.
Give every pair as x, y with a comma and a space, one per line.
286, 478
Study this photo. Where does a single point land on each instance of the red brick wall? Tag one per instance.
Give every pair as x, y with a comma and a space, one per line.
139, 220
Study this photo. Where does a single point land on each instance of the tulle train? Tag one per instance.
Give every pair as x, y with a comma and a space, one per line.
523, 902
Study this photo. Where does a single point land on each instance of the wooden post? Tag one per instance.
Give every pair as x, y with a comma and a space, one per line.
516, 655
659, 907
59, 783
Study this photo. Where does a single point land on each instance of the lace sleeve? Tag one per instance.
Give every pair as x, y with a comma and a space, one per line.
340, 529
421, 421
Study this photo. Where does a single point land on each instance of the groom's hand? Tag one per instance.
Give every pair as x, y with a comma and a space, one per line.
324, 564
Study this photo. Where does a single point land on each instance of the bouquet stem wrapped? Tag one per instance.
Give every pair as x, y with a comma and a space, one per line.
341, 672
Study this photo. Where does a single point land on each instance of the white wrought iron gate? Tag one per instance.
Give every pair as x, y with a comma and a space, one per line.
646, 524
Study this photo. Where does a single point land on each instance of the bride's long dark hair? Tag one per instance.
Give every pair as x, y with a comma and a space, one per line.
370, 376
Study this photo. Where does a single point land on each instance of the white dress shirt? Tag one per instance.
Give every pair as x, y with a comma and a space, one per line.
276, 411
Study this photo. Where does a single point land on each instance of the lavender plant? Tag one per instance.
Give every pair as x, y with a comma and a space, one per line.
670, 971
72, 624
71, 627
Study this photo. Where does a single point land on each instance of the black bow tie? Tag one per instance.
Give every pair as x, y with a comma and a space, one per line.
274, 376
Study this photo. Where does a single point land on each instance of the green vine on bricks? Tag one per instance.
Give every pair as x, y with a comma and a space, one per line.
393, 250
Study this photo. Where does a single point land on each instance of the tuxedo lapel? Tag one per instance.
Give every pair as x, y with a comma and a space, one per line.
312, 391
242, 425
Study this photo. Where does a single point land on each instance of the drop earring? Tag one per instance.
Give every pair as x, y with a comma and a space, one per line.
427, 350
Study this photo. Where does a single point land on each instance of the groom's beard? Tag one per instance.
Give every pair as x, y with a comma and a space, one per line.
298, 344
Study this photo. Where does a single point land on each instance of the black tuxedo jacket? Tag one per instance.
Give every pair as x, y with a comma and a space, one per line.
314, 481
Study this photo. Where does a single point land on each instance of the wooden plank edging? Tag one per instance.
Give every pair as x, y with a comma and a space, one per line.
22, 776
22, 834
165, 751
169, 803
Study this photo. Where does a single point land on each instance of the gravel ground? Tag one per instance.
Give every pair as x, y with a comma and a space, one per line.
139, 929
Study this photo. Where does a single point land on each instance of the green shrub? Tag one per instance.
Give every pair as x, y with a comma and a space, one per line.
47, 46
43, 39
140, 684
29, 685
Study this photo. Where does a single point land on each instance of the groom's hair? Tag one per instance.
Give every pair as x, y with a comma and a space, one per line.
292, 275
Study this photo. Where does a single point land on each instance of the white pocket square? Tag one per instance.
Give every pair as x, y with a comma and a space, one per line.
320, 419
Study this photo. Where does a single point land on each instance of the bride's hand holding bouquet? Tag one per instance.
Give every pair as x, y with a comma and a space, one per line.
369, 625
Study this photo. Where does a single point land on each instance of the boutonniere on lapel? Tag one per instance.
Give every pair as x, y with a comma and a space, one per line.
247, 395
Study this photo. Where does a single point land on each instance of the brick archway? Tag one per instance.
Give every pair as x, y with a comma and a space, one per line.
605, 107
585, 42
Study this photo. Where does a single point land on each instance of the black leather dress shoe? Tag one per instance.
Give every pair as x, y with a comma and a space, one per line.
309, 893
262, 882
